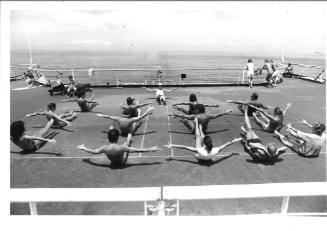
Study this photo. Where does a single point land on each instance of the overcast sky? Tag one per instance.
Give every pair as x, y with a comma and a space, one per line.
216, 26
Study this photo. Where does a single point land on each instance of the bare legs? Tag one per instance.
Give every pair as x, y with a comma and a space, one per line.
42, 133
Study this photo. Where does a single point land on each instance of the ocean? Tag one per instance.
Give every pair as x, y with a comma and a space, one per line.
59, 60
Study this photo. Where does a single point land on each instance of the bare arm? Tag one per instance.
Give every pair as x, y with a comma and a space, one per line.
68, 100
181, 147
176, 104
170, 90
288, 105
39, 138
281, 150
258, 146
148, 89
36, 113
229, 143
114, 118
142, 105
306, 123
214, 116
92, 151
265, 113
210, 105
188, 117
152, 149
236, 102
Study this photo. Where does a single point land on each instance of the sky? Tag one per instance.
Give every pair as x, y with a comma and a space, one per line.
237, 27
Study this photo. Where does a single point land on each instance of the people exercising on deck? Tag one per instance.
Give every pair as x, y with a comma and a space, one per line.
192, 105
255, 147
305, 144
29, 143
203, 118
160, 93
203, 150
132, 109
254, 101
85, 105
127, 125
60, 120
117, 154
270, 123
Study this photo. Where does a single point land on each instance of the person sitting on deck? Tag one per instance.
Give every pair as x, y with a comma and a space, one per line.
203, 118
270, 71
117, 154
288, 72
132, 109
85, 105
192, 105
249, 67
60, 121
203, 151
254, 146
73, 88
305, 144
127, 125
253, 101
29, 143
160, 95
271, 123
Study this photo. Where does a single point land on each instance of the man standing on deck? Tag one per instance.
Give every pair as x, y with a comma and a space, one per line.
117, 154
270, 71
249, 67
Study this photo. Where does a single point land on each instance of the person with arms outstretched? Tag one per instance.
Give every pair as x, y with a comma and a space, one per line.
29, 143
160, 93
203, 150
127, 125
117, 154
60, 120
85, 105
203, 118
193, 104
132, 109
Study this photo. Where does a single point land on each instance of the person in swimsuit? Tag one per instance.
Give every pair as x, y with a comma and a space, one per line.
203, 118
132, 109
253, 101
305, 144
29, 143
60, 120
255, 147
267, 65
271, 123
117, 154
203, 150
249, 67
192, 105
127, 125
160, 93
85, 105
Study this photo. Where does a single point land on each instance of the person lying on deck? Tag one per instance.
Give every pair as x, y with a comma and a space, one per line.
29, 143
85, 105
127, 125
254, 101
255, 147
271, 123
203, 150
192, 105
60, 120
132, 109
117, 154
305, 144
203, 118
160, 93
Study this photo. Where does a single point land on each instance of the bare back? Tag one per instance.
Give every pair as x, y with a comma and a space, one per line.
116, 153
